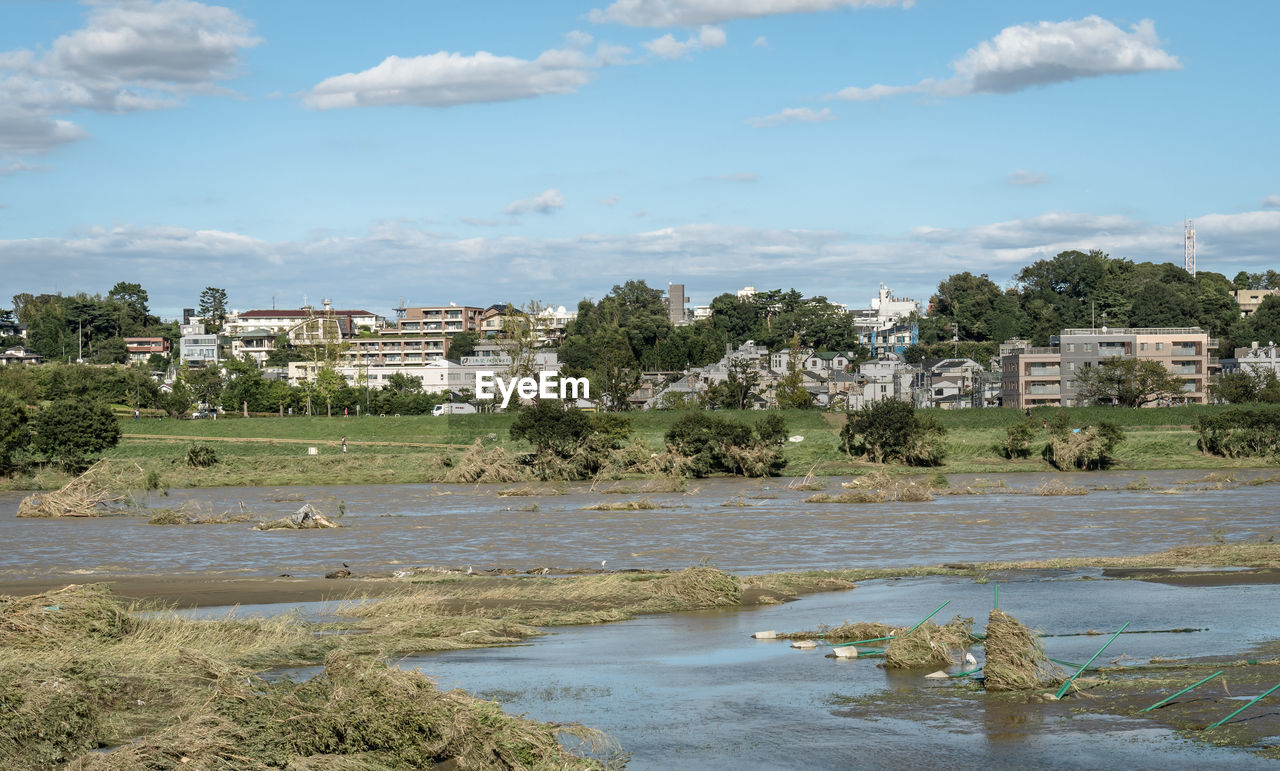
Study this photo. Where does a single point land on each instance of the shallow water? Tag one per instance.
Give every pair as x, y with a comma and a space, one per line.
694, 691
392, 527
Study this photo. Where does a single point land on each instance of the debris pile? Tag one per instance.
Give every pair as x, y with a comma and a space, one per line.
930, 645
1015, 657
305, 518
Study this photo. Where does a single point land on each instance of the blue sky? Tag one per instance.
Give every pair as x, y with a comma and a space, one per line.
485, 152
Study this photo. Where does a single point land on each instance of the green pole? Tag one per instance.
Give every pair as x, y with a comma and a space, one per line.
926, 618
966, 674
1162, 702
1065, 663
1242, 709
1071, 679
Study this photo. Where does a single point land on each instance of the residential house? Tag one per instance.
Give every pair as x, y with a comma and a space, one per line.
19, 355
1255, 360
253, 333
953, 384
141, 349
1250, 299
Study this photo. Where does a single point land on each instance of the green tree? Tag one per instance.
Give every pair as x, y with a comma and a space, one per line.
890, 430
179, 400
14, 433
790, 392
213, 308
551, 427
1126, 382
206, 385
132, 299
462, 344
738, 387
73, 433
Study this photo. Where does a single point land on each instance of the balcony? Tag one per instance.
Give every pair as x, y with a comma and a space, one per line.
1182, 349
1186, 369
1044, 390
1034, 371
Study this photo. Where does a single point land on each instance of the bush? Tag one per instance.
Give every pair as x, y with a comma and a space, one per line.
201, 456
890, 430
1239, 433
1086, 449
72, 434
1017, 441
772, 430
712, 444
551, 428
614, 427
14, 433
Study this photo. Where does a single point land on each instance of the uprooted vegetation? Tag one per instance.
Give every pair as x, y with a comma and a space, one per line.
930, 645
192, 513
879, 487
1015, 657
1081, 449
95, 493
849, 631
891, 431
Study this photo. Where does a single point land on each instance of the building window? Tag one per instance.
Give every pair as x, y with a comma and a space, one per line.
1159, 346
1142, 346
1088, 347
1071, 347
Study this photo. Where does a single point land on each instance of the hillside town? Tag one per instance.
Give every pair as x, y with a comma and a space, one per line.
439, 349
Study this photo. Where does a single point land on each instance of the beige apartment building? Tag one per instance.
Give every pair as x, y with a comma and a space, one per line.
1250, 299
1032, 377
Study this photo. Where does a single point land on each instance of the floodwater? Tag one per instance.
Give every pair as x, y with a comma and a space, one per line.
392, 527
693, 690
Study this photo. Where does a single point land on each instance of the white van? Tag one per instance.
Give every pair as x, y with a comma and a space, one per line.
460, 408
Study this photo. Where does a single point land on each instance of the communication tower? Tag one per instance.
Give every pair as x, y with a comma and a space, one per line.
1189, 247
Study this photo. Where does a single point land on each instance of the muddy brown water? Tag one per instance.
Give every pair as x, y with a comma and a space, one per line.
392, 527
692, 690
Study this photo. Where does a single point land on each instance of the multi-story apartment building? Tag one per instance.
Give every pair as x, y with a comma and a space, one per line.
254, 332
1038, 376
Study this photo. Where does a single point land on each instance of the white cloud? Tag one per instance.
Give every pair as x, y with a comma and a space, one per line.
610, 200
130, 55
1025, 178
1029, 55
745, 176
13, 167
444, 79
480, 222
689, 13
1271, 202
793, 114
668, 47
545, 202
712, 258
760, 42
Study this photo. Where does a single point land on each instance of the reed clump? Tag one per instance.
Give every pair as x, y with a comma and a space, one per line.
92, 494
639, 504
480, 464
930, 645
1015, 658
192, 513
1058, 487
849, 631
879, 487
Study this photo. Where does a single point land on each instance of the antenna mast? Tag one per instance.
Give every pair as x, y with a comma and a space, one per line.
1189, 247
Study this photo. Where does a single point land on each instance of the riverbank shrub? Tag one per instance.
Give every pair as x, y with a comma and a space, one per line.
14, 433
201, 456
1239, 433
1017, 441
1085, 449
891, 430
73, 433
714, 444
772, 430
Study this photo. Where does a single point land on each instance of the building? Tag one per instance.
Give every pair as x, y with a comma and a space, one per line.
197, 349
1036, 376
19, 355
1255, 360
1250, 299
886, 326
253, 333
1031, 377
954, 384
141, 349
675, 302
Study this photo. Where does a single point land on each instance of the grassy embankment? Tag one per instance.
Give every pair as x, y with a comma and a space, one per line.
273, 451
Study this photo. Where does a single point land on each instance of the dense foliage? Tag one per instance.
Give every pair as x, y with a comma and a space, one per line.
889, 431
1246, 387
1240, 433
1086, 448
715, 444
14, 433
1127, 383
73, 433
59, 327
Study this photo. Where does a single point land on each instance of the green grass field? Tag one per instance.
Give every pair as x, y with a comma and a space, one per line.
274, 451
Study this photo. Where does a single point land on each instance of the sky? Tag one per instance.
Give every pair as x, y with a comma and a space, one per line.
488, 152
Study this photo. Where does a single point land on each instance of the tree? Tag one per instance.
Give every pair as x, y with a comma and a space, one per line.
133, 301
551, 428
712, 443
790, 392
327, 384
206, 385
72, 433
890, 430
463, 344
1126, 382
179, 400
1244, 387
14, 433
736, 391
213, 308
